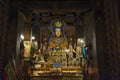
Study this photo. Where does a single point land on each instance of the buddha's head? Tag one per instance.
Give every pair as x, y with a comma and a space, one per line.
58, 32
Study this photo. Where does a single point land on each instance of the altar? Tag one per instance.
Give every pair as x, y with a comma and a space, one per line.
58, 56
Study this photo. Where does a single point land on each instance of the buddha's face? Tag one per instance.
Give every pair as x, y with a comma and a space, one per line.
58, 33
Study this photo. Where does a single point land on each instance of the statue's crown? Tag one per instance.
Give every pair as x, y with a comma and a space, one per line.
58, 24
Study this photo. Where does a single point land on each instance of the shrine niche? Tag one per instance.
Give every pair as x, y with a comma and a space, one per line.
59, 52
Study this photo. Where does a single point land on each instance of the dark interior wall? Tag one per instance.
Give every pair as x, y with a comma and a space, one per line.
118, 5
11, 22
20, 26
1, 24
3, 31
13, 30
9, 32
56, 4
107, 40
116, 13
16, 23
109, 9
117, 32
101, 43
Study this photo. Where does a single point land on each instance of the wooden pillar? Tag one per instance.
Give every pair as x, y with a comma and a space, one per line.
27, 27
26, 70
90, 39
1, 27
3, 31
111, 15
100, 31
107, 39
116, 20
12, 32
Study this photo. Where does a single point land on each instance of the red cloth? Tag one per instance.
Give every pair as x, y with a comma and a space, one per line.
6, 75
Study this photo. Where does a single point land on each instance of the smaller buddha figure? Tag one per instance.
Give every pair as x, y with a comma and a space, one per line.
70, 47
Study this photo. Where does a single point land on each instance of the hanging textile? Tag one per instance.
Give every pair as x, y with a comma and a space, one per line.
84, 53
2, 76
8, 72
